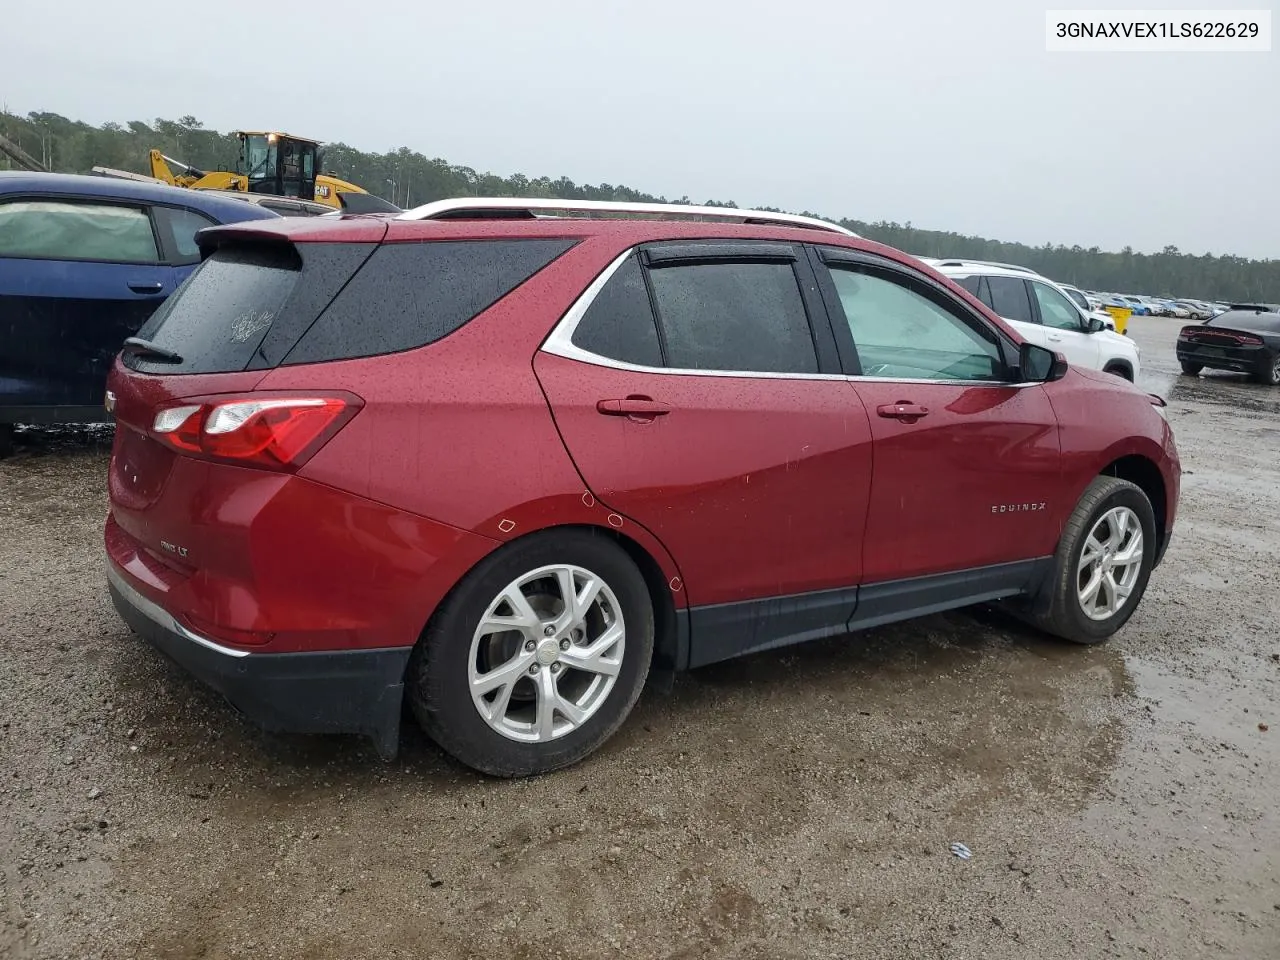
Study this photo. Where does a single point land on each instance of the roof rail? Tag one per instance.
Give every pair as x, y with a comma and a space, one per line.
965, 262
465, 208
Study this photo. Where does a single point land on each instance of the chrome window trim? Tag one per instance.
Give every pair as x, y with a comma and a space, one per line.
158, 615
560, 343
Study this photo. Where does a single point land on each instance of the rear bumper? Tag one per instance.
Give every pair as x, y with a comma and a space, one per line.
343, 691
1239, 359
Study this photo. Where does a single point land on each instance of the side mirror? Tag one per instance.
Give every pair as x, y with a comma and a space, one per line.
1038, 365
1096, 325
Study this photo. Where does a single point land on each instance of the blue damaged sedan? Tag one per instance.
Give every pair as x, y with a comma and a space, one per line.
84, 261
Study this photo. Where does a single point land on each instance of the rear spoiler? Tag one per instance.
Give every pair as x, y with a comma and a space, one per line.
357, 203
293, 230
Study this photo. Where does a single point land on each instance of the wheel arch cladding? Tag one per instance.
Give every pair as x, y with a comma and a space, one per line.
1144, 474
1120, 368
670, 639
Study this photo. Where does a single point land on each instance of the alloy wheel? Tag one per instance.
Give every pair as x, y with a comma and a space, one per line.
547, 653
1110, 563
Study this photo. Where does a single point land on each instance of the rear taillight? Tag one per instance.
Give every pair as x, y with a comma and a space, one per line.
1211, 335
270, 432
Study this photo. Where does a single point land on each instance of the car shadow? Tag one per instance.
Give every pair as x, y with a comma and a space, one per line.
1224, 388
972, 692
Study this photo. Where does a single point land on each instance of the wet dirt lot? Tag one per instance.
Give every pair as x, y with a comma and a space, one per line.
1118, 801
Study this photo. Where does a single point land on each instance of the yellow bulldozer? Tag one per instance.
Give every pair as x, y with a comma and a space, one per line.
276, 164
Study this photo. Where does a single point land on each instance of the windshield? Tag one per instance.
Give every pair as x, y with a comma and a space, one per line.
259, 157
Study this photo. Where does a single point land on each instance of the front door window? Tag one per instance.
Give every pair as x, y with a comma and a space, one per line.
1055, 309
901, 334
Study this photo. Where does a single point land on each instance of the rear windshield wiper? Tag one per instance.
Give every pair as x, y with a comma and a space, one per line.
138, 346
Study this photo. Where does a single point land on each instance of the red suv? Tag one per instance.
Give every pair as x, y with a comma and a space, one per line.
511, 464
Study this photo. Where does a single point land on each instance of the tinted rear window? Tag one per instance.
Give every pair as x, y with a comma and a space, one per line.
1247, 320
734, 317
222, 312
1009, 298
411, 294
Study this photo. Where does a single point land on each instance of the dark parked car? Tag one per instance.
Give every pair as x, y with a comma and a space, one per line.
1246, 339
84, 261
504, 465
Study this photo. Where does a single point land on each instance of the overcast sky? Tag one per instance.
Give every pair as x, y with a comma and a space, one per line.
947, 114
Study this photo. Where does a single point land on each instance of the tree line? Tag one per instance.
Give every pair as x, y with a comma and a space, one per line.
407, 178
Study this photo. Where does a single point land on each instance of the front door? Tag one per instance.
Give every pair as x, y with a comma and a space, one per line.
76, 279
727, 430
966, 462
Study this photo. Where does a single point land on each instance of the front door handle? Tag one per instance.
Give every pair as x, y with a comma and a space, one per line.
902, 410
638, 408
1055, 338
146, 286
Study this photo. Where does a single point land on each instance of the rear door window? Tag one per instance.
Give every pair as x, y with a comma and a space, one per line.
411, 294
221, 313
976, 285
734, 316
181, 227
1009, 298
74, 230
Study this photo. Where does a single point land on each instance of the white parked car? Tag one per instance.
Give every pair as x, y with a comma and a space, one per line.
1044, 314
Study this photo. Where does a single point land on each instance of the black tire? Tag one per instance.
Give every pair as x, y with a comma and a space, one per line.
1191, 369
1063, 616
1121, 371
1270, 371
438, 682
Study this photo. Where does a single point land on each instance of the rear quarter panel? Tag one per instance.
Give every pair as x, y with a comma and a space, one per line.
460, 432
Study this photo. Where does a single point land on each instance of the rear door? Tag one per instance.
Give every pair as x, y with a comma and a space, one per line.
700, 395
1010, 298
1064, 326
966, 461
76, 278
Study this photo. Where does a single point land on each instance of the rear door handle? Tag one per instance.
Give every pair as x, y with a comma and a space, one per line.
638, 408
902, 410
146, 286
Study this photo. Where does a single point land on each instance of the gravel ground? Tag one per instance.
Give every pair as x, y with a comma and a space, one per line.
1118, 801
